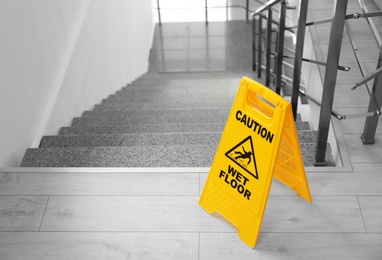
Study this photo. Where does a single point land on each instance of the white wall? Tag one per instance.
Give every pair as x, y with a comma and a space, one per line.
59, 58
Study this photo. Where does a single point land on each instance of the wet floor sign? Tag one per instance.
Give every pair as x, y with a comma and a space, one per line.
259, 141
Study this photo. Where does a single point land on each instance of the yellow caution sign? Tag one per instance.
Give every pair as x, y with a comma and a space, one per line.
259, 141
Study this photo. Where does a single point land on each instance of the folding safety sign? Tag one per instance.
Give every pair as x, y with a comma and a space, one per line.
259, 141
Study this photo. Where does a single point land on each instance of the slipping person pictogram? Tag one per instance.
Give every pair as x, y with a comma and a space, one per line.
245, 155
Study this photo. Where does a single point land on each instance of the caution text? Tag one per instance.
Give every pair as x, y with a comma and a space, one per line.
255, 126
236, 180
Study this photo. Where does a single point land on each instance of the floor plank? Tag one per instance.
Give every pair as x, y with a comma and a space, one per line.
371, 207
67, 245
325, 214
282, 246
365, 167
182, 213
130, 213
363, 153
108, 183
21, 213
365, 180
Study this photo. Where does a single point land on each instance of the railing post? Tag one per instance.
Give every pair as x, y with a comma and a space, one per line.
246, 10
334, 50
280, 46
260, 45
300, 37
159, 17
206, 10
268, 51
254, 43
371, 123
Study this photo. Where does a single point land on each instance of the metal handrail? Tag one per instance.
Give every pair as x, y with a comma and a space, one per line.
347, 17
266, 6
368, 78
274, 21
343, 68
338, 115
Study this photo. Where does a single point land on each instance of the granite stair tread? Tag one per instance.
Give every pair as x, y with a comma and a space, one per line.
176, 91
131, 156
137, 156
157, 113
93, 140
160, 122
212, 104
180, 138
307, 136
195, 84
168, 97
153, 117
147, 128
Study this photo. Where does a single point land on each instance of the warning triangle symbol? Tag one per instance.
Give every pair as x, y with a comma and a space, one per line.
243, 155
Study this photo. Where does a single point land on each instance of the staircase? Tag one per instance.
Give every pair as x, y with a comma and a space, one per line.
172, 116
160, 120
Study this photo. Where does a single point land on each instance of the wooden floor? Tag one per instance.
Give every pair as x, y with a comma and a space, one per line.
154, 214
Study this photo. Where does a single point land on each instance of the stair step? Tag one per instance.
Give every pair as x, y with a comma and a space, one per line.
190, 85
302, 125
307, 136
92, 140
138, 156
132, 156
308, 151
113, 118
168, 97
163, 77
163, 105
130, 139
190, 118
175, 91
147, 128
146, 114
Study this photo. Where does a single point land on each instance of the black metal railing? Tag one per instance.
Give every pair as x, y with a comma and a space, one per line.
268, 45
263, 48
266, 13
